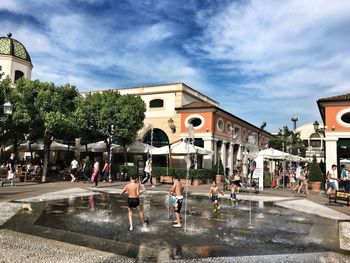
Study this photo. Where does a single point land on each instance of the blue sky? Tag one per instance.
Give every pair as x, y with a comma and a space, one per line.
262, 60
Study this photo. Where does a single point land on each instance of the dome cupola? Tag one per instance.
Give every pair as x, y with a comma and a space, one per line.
12, 47
15, 61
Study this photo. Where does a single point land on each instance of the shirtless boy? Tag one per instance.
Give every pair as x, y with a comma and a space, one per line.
133, 189
233, 196
176, 190
214, 195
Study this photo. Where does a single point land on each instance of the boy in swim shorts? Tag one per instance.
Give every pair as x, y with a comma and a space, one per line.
176, 191
214, 195
133, 189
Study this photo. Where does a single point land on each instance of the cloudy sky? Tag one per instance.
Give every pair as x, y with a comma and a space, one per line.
262, 60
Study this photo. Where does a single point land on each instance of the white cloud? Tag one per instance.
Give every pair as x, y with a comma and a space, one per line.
287, 53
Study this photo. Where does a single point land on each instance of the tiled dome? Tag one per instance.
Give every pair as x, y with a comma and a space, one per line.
12, 47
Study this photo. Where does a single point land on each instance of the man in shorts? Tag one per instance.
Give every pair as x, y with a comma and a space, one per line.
176, 191
133, 189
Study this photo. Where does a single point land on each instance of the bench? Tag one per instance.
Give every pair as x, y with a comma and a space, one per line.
341, 196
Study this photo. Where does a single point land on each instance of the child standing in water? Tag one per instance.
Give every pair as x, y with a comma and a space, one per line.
176, 191
214, 195
233, 196
133, 189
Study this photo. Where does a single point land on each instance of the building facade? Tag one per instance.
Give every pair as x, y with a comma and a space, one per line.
313, 139
335, 113
171, 108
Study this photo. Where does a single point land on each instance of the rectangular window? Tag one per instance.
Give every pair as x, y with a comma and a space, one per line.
315, 143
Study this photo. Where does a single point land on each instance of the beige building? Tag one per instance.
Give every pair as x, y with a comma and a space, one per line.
313, 139
15, 61
170, 110
172, 107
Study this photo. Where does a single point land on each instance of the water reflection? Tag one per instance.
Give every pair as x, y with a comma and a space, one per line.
235, 230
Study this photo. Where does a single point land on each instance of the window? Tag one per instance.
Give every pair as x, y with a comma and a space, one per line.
157, 139
229, 127
306, 143
196, 122
346, 117
157, 103
18, 74
220, 125
315, 143
343, 117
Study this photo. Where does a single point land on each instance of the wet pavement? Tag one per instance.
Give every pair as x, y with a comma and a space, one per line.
271, 229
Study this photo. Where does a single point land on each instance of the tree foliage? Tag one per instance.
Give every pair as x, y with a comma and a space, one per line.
315, 174
110, 117
45, 111
288, 141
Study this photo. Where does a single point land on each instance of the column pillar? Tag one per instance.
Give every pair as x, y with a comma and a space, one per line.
223, 154
331, 153
231, 158
208, 159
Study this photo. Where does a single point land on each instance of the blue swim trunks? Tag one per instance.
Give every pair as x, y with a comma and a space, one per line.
233, 196
214, 198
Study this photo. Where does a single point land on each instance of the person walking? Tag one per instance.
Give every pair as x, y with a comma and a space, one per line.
332, 180
105, 172
74, 169
96, 172
344, 177
87, 169
148, 173
11, 171
134, 191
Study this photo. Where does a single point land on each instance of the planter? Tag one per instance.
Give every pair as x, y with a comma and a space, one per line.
154, 180
184, 182
166, 179
218, 178
207, 181
197, 182
315, 186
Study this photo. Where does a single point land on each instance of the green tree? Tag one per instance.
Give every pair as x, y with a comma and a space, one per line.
288, 141
5, 91
130, 120
47, 112
315, 174
110, 117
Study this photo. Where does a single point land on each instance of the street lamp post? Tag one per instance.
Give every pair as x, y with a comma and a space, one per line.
110, 138
8, 108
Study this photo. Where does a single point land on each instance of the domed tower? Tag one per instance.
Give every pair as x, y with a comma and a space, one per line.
15, 61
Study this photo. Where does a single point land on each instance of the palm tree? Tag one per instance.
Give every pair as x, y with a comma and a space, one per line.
288, 141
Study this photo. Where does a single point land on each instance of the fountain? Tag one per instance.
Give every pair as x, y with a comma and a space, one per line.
100, 221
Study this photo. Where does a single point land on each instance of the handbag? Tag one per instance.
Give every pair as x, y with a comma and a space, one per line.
10, 175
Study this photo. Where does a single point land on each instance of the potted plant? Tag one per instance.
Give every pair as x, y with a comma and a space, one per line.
220, 171
315, 175
196, 176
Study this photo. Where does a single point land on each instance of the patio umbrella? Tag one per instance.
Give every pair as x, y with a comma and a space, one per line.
97, 147
139, 147
56, 146
181, 148
273, 154
24, 147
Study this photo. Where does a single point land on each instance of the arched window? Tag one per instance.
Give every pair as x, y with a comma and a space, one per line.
18, 74
157, 103
315, 140
158, 139
346, 117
